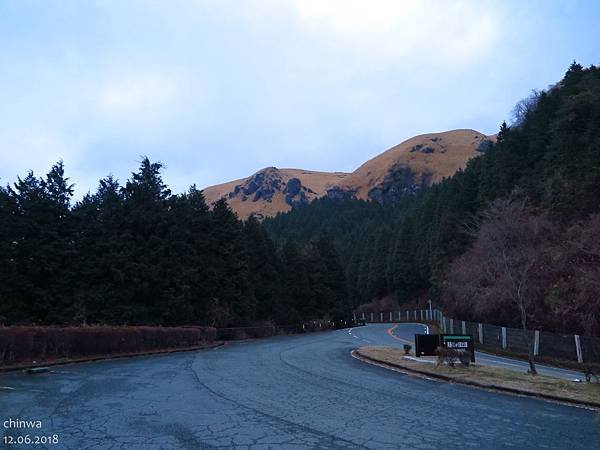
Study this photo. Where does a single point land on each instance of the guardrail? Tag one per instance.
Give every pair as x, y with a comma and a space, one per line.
568, 347
238, 333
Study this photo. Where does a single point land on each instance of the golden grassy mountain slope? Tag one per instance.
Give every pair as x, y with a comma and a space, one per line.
273, 190
419, 161
430, 157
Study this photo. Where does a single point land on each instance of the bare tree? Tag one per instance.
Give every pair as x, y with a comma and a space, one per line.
520, 257
524, 107
500, 266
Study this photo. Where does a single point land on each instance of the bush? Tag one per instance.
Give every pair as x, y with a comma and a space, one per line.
591, 371
465, 358
447, 356
407, 348
26, 344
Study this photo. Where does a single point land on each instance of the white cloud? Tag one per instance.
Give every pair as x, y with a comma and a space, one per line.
139, 94
34, 148
351, 16
438, 33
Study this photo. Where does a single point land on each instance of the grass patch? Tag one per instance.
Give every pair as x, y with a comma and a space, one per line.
492, 377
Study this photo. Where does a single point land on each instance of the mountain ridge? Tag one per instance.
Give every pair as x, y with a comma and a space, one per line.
416, 162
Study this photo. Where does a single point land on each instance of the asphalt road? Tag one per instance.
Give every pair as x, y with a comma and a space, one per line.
301, 391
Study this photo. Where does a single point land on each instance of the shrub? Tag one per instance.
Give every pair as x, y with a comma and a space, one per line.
591, 371
447, 356
26, 344
465, 358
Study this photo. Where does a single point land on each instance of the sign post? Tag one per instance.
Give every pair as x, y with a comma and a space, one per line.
460, 342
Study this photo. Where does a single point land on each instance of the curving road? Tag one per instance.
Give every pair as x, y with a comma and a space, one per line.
301, 391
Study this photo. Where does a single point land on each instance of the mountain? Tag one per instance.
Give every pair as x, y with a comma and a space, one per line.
272, 190
527, 209
418, 161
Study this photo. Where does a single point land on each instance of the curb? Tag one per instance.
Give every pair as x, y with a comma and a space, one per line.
369, 360
108, 357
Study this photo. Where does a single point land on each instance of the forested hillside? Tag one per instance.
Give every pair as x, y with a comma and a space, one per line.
523, 217
544, 171
137, 254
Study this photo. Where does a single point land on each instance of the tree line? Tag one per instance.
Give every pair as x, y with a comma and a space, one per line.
544, 170
139, 254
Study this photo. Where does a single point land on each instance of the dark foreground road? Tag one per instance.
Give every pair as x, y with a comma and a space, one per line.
289, 392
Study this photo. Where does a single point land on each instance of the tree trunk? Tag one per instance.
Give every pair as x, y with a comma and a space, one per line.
532, 369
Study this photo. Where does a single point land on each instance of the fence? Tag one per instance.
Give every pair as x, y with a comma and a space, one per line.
236, 333
566, 347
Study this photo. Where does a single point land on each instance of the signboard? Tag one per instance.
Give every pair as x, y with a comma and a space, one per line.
426, 344
460, 342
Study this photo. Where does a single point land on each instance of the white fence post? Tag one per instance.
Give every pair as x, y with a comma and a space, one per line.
407, 315
504, 337
354, 317
536, 343
464, 327
391, 319
381, 316
399, 316
415, 314
480, 329
371, 316
578, 349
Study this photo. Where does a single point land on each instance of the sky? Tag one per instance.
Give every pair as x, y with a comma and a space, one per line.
218, 89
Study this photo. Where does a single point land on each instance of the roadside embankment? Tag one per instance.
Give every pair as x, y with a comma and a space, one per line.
494, 378
22, 347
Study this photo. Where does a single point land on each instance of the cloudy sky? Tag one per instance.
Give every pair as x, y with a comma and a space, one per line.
217, 89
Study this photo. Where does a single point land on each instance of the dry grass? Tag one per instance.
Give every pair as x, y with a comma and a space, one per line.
492, 377
451, 151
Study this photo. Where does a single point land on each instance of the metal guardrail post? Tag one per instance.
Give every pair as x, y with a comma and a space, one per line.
578, 349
